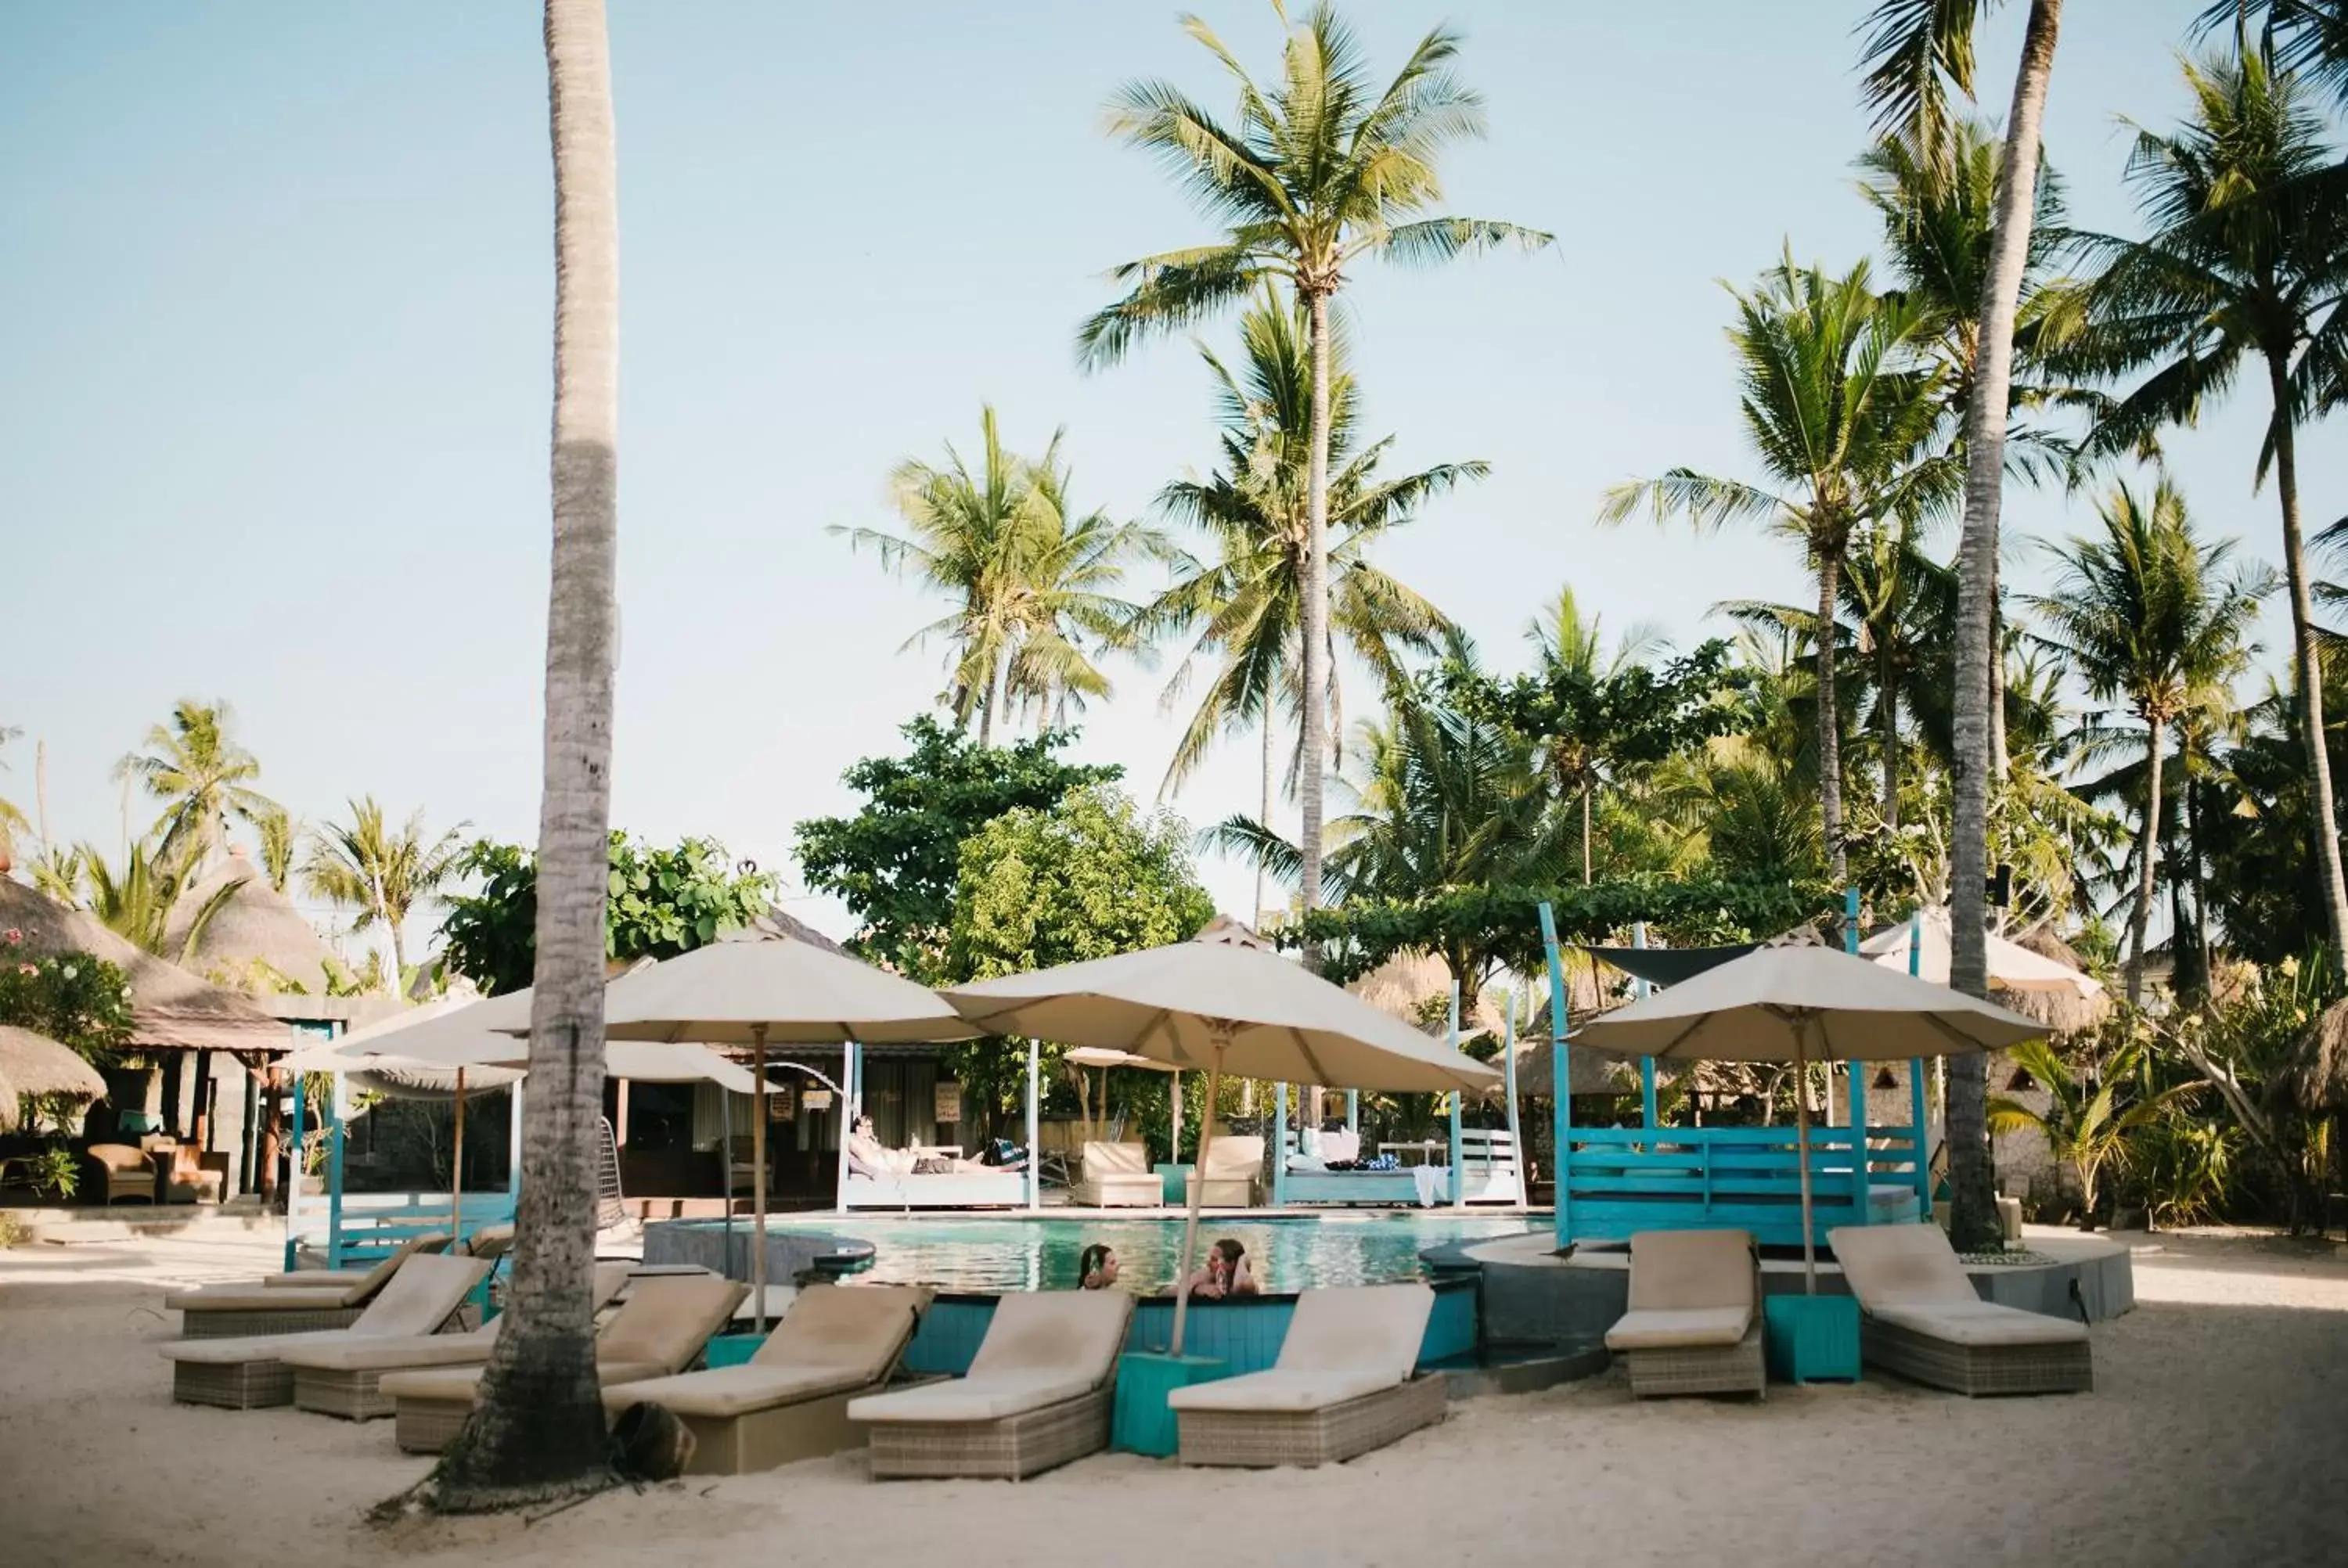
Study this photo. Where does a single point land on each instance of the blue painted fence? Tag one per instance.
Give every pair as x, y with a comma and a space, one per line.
1620, 1180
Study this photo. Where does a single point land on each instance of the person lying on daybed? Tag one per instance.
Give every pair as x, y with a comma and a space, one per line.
867, 1156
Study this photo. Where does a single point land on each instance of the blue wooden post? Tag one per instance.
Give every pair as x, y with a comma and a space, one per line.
1646, 1063
1862, 1212
1459, 1176
1560, 1080
1034, 1155
1509, 1072
294, 1180
1917, 1110
334, 1173
1280, 1145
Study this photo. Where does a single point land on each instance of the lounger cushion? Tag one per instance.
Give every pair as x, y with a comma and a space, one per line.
389, 1353
255, 1298
976, 1398
1234, 1158
1986, 1324
860, 1331
1039, 1349
1678, 1270
250, 1347
667, 1319
724, 1392
1115, 1160
1282, 1389
1668, 1329
1371, 1330
1901, 1266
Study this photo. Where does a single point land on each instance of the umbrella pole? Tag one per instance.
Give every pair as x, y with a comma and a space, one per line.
1197, 1193
457, 1173
758, 1176
1802, 1154
726, 1165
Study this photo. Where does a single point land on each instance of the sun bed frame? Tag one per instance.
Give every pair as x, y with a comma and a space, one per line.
937, 1190
1261, 1439
1116, 1177
260, 1381
1742, 1367
2053, 1367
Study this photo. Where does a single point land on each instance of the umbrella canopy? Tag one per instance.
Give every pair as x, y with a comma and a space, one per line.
2010, 965
1270, 1017
767, 984
1098, 1057
34, 1064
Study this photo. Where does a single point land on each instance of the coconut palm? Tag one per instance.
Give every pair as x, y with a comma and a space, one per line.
135, 902
2150, 615
1061, 567
1918, 54
381, 871
203, 776
281, 835
537, 1430
1840, 419
1323, 168
2247, 264
12, 820
1241, 607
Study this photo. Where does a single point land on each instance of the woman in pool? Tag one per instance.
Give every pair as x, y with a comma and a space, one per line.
1226, 1274
1096, 1267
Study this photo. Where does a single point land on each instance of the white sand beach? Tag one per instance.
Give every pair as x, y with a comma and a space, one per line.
2217, 1434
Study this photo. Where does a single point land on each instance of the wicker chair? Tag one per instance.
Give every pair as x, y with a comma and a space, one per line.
1922, 1318
1694, 1324
119, 1171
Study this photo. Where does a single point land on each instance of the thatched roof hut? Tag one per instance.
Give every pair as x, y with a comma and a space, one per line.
169, 1008
2317, 1077
2063, 1011
257, 926
34, 1064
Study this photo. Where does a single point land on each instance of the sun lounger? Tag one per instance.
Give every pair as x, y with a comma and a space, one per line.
1232, 1166
1922, 1318
1117, 1176
262, 1307
248, 1373
338, 1376
1342, 1385
1037, 1394
789, 1402
327, 1278
1695, 1322
659, 1330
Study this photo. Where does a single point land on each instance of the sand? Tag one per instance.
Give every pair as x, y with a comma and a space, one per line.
2218, 1434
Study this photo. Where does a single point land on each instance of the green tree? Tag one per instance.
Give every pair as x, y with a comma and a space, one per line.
2088, 1125
2152, 616
203, 776
1087, 877
1323, 168
895, 862
658, 903
537, 1430
381, 871
2246, 261
78, 1000
135, 902
281, 835
1839, 422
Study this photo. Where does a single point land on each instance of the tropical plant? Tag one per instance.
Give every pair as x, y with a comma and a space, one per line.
1322, 169
381, 871
2246, 262
56, 1172
79, 1001
203, 776
2149, 614
281, 835
2088, 1122
1839, 419
12, 820
537, 1430
136, 901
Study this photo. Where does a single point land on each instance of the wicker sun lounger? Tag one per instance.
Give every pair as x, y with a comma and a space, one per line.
1037, 1394
1924, 1319
659, 1331
264, 1307
343, 1377
1342, 1385
789, 1402
328, 1278
1695, 1322
249, 1373
1233, 1164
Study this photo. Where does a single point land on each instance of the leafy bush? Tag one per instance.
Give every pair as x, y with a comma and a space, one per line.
56, 1173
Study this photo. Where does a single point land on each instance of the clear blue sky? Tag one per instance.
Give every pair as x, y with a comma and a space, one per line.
276, 289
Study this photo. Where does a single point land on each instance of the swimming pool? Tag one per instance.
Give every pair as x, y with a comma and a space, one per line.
1039, 1251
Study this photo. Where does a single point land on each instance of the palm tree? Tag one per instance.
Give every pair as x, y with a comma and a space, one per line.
12, 820
539, 1431
1839, 422
203, 776
1242, 607
1571, 651
1323, 168
381, 871
1029, 579
1917, 51
136, 902
281, 835
2248, 261
2149, 614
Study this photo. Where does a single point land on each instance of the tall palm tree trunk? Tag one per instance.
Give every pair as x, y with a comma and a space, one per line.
1314, 629
1973, 1222
1829, 714
1887, 679
2306, 666
2200, 873
2148, 856
539, 1431
1269, 732
1585, 834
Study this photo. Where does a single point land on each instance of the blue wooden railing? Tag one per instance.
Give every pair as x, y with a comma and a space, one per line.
1618, 1179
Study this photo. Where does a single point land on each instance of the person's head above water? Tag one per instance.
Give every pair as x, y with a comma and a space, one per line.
1096, 1267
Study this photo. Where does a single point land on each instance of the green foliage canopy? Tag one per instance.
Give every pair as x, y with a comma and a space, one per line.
73, 999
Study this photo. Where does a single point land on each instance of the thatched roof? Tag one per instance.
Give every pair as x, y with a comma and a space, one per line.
257, 925
168, 1006
34, 1064
1592, 1073
2063, 1011
2317, 1078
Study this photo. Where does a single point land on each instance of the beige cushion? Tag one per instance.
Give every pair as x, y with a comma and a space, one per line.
1674, 1270
667, 1319
1374, 1328
976, 1398
389, 1353
249, 1297
1115, 1159
1039, 1350
1987, 1323
1901, 1266
1296, 1389
1231, 1158
860, 1330
1670, 1328
420, 1297
727, 1391
449, 1385
314, 1278
251, 1347
121, 1158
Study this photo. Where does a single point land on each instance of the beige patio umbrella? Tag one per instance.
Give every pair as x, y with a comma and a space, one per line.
1223, 1002
34, 1064
1100, 1059
2010, 965
1803, 1005
770, 985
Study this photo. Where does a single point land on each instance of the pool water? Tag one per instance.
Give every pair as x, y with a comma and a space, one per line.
1040, 1253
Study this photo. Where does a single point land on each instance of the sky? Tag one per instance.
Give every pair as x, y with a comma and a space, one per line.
275, 303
